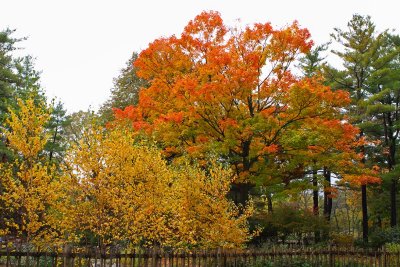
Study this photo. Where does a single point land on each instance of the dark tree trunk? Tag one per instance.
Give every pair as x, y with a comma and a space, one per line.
54, 141
269, 203
240, 192
364, 212
317, 234
315, 194
244, 188
327, 200
393, 206
327, 195
364, 205
390, 141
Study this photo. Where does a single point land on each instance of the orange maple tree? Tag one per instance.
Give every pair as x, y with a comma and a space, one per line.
229, 90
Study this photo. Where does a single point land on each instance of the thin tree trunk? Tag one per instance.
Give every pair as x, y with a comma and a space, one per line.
364, 212
393, 206
315, 203
390, 142
269, 203
327, 200
315, 193
327, 195
244, 188
364, 206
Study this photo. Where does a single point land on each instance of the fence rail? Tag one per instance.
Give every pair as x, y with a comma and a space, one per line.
220, 258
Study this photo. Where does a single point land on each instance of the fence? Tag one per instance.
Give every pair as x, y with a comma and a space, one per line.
221, 258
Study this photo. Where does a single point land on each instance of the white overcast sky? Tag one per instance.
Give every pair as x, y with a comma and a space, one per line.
80, 45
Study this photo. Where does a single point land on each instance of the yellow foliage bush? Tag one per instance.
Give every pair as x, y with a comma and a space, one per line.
122, 190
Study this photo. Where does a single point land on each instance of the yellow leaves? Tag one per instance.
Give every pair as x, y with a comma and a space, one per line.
27, 135
206, 217
127, 191
29, 188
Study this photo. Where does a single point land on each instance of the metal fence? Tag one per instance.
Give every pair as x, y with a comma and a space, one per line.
158, 258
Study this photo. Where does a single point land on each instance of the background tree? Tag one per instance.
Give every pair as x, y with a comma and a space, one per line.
18, 79
125, 91
311, 63
8, 80
57, 126
366, 57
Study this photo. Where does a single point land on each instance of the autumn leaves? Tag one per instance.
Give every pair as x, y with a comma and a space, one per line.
29, 183
113, 189
235, 92
223, 110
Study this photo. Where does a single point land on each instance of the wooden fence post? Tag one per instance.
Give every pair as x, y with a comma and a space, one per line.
384, 257
67, 255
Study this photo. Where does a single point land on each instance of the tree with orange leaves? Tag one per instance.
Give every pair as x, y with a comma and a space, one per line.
233, 91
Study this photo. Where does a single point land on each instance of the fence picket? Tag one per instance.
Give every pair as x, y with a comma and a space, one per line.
203, 258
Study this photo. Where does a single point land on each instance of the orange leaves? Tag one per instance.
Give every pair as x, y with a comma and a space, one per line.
310, 96
170, 151
331, 191
234, 91
362, 179
259, 31
226, 123
268, 112
290, 41
176, 117
270, 149
207, 27
130, 112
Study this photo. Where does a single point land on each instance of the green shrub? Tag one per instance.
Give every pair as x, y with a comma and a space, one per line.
392, 247
341, 240
381, 237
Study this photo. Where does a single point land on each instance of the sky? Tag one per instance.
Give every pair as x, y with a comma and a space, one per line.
81, 45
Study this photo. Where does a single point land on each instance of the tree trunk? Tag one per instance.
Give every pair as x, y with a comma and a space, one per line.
391, 166
315, 194
327, 195
364, 212
364, 206
393, 206
317, 235
240, 192
269, 203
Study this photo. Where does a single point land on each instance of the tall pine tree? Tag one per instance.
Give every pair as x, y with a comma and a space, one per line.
367, 58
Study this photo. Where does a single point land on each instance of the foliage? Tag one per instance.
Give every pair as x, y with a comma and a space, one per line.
57, 126
289, 222
311, 64
233, 92
380, 237
18, 79
127, 191
214, 112
368, 59
28, 185
392, 247
125, 91
8, 79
